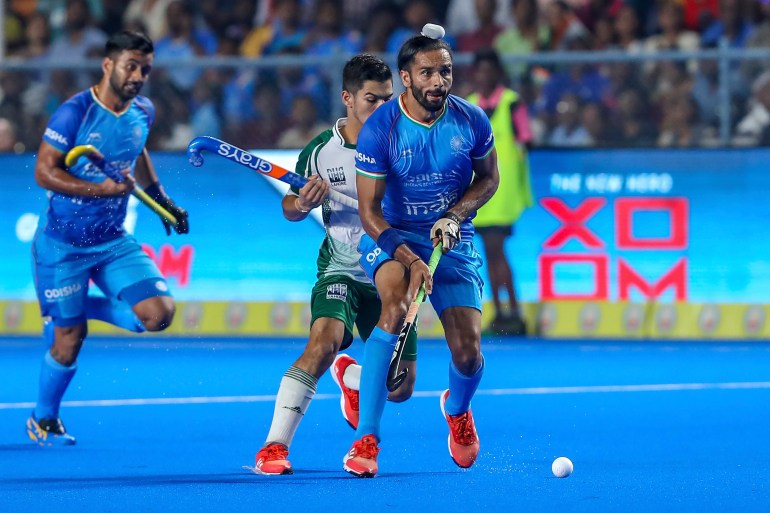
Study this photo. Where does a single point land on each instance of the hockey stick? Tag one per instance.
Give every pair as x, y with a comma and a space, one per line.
394, 377
244, 158
91, 153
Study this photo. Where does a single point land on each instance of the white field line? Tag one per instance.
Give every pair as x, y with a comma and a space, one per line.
601, 389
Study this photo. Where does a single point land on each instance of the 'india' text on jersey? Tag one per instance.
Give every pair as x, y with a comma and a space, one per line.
427, 167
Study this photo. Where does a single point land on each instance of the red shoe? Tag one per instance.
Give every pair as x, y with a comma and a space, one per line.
271, 460
361, 461
349, 398
463, 439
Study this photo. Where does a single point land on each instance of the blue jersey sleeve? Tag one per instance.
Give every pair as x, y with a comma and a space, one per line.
482, 129
372, 151
63, 126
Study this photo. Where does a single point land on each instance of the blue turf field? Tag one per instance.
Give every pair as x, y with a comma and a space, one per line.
167, 424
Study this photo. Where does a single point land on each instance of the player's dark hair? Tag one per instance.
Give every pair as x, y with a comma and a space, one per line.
364, 67
127, 40
417, 44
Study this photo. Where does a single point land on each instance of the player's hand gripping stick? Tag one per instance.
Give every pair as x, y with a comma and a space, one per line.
91, 153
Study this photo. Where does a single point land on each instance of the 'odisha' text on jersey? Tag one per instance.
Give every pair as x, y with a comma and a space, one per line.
427, 167
120, 136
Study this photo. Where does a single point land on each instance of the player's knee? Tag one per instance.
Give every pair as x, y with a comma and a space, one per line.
468, 361
67, 343
159, 318
319, 354
393, 313
403, 392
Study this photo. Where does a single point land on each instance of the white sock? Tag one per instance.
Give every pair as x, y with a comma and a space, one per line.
294, 395
352, 377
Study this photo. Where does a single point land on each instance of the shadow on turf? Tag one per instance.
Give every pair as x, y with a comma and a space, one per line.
300, 477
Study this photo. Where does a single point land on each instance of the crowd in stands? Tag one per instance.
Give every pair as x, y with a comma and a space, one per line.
613, 104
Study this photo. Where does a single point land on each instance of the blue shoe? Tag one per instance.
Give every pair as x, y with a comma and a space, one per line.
48, 432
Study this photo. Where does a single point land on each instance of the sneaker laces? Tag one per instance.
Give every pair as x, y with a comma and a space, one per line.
366, 448
274, 452
463, 430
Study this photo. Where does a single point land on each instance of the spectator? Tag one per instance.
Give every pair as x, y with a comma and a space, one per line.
383, 20
627, 30
183, 42
484, 36
591, 12
305, 124
37, 39
284, 31
672, 35
582, 80
328, 35
112, 16
416, 14
754, 128
150, 14
569, 131
270, 121
759, 38
732, 24
564, 25
680, 127
594, 120
526, 36
633, 126
205, 117
294, 80
698, 14
8, 141
461, 16
604, 34
79, 36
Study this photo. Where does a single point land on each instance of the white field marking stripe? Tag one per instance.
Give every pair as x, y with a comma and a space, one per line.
672, 387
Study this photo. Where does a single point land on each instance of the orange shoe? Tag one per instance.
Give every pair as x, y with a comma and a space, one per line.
349, 398
271, 460
463, 439
361, 461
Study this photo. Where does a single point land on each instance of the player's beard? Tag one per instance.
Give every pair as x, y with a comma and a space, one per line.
124, 90
429, 105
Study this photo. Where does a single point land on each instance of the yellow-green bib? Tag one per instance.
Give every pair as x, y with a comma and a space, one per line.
515, 192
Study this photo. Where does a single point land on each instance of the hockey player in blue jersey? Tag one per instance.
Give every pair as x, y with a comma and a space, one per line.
81, 236
425, 163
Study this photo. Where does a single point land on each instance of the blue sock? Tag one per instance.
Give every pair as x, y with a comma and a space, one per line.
116, 313
54, 378
461, 389
372, 390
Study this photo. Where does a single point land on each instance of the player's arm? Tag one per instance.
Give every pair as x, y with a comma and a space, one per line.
486, 178
147, 177
51, 174
485, 181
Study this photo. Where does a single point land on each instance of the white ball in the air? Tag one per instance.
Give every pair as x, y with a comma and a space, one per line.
433, 31
562, 467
